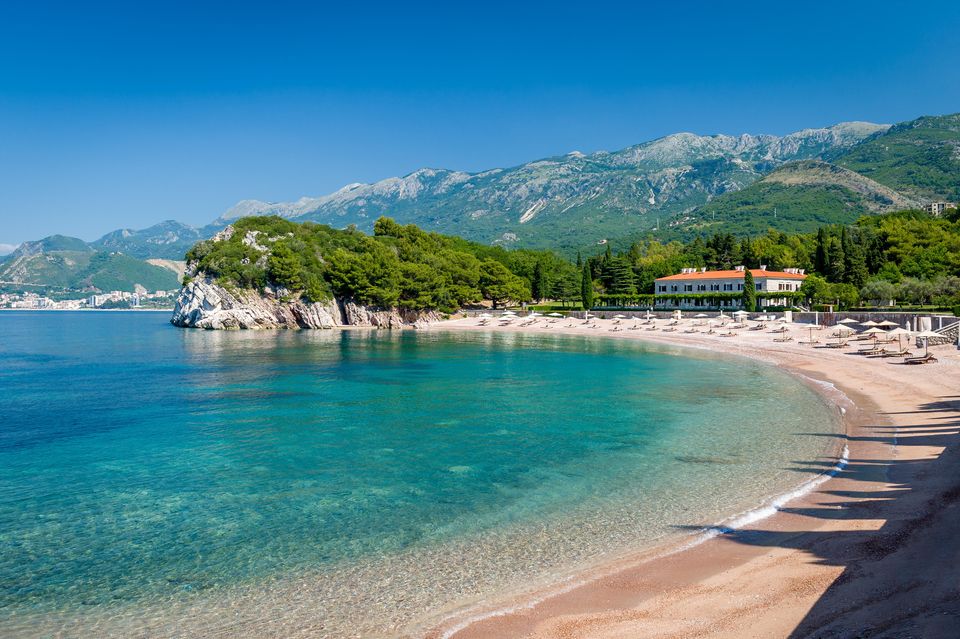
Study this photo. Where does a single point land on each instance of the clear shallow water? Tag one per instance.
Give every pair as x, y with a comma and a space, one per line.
161, 481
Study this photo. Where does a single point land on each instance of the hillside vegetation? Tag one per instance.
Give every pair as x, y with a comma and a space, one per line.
797, 198
60, 263
920, 158
399, 266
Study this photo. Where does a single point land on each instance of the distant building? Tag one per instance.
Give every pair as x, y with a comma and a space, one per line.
936, 209
699, 283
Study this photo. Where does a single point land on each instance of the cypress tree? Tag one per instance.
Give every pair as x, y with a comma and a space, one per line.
821, 262
856, 265
749, 296
540, 286
836, 261
586, 288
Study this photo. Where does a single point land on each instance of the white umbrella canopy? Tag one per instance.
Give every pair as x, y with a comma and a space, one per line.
887, 323
899, 331
869, 323
845, 330
507, 313
618, 316
533, 314
925, 336
874, 331
848, 320
701, 315
555, 315
485, 315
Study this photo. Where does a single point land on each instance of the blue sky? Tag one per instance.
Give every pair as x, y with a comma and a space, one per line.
125, 114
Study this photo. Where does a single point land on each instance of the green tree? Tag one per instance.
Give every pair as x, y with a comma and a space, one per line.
539, 285
586, 288
879, 291
837, 261
498, 284
845, 295
749, 295
621, 280
815, 288
822, 259
284, 267
856, 272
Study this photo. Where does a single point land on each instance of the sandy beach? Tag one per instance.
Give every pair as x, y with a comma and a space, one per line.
870, 551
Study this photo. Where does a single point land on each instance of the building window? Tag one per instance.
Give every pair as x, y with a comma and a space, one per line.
673, 288
759, 287
688, 288
662, 288
739, 287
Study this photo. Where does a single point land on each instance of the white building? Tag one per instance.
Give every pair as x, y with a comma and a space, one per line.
700, 283
937, 208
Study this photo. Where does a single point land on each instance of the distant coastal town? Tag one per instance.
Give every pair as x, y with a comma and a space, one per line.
114, 300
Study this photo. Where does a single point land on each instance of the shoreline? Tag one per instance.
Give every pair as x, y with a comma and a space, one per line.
722, 576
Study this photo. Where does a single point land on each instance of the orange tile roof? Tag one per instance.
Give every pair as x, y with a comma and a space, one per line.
732, 274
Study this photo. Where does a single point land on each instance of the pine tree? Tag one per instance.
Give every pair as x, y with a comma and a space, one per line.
622, 279
586, 288
749, 296
579, 261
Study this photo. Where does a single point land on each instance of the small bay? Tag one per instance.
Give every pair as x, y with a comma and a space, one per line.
331, 480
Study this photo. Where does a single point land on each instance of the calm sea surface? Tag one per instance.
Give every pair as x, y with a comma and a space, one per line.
157, 481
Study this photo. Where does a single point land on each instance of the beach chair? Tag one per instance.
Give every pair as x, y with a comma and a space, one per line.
901, 353
923, 359
784, 338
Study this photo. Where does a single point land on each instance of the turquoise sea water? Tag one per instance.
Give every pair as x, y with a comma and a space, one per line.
161, 481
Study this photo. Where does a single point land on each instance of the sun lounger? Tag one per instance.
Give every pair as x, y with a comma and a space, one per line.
728, 334
839, 345
924, 359
670, 330
785, 338
903, 353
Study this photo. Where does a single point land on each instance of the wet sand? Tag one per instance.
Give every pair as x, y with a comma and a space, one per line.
871, 551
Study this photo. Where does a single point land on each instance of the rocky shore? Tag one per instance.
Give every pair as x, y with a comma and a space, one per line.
203, 303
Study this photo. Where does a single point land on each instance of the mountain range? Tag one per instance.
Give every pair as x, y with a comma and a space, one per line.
673, 187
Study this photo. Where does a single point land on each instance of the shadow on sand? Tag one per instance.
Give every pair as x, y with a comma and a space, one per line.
903, 578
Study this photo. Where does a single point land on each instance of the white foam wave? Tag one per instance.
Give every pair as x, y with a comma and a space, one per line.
726, 526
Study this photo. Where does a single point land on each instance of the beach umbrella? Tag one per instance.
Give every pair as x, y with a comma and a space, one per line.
848, 320
701, 315
873, 332
508, 313
648, 315
887, 323
485, 316
925, 336
555, 315
869, 323
618, 316
899, 332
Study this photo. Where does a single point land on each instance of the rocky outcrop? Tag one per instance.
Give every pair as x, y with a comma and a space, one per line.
203, 303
